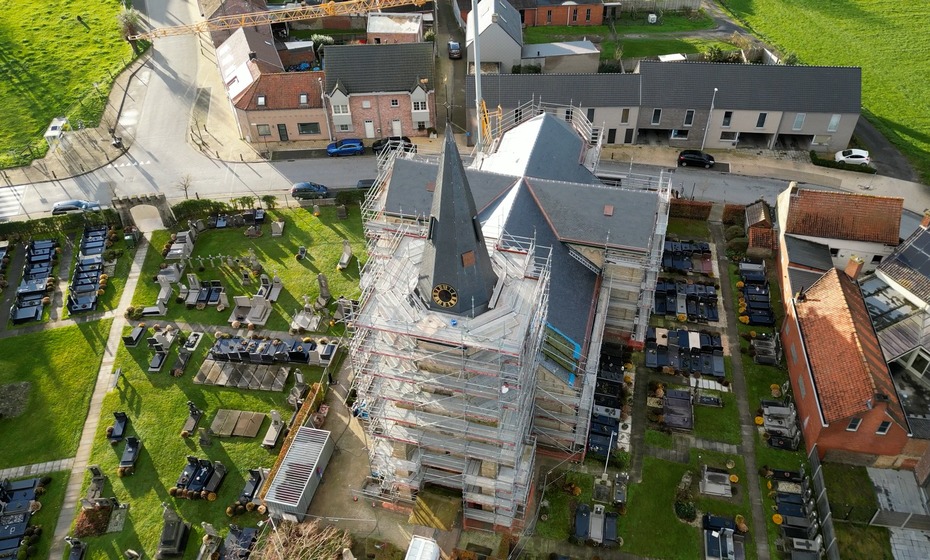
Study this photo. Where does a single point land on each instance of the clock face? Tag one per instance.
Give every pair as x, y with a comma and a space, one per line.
445, 295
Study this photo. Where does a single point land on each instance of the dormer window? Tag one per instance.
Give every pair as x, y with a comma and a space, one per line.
261, 101
303, 99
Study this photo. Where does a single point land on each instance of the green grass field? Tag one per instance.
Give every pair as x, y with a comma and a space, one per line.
61, 365
321, 235
888, 39
857, 541
49, 62
156, 405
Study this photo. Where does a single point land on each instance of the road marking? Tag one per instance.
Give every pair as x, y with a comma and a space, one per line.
130, 164
9, 201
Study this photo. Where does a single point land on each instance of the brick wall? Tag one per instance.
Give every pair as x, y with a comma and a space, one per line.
381, 113
563, 15
386, 38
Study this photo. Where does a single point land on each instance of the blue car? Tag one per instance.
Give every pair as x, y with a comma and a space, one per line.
308, 191
347, 147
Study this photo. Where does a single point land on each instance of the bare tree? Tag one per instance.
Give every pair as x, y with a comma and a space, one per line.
307, 541
184, 184
130, 22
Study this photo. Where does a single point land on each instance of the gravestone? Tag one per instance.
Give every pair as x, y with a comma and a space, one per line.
205, 440
246, 278
324, 286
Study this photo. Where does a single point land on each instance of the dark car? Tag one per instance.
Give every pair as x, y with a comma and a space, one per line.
347, 147
394, 143
695, 157
365, 184
455, 50
74, 206
307, 191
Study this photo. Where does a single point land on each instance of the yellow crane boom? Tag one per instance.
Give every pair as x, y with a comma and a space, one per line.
254, 19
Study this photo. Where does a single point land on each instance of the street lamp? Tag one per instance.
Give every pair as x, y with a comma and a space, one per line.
709, 115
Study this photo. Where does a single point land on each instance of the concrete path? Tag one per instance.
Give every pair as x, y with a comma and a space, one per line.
104, 382
37, 469
681, 452
747, 425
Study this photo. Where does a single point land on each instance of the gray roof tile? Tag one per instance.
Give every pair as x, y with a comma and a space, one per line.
909, 264
808, 254
815, 89
378, 68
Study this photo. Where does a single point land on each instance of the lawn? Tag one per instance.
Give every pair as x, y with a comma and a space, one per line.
321, 235
51, 61
156, 405
886, 38
688, 229
660, 439
562, 505
858, 541
61, 366
671, 23
718, 424
642, 48
850, 492
650, 509
47, 517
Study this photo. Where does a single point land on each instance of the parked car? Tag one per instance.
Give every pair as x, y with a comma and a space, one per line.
347, 147
365, 184
393, 142
306, 191
853, 157
455, 50
74, 206
695, 157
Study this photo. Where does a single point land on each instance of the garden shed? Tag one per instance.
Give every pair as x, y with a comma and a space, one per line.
300, 473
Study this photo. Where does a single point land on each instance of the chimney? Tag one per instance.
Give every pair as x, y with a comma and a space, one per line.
253, 55
800, 296
925, 223
854, 267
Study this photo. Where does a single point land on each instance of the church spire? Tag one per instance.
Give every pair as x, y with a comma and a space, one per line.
456, 275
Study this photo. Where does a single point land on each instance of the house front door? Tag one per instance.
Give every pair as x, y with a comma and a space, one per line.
369, 129
395, 128
282, 132
628, 137
611, 135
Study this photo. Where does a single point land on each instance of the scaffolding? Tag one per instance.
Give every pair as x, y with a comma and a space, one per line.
447, 399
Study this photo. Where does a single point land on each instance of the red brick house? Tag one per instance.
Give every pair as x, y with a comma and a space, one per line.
549, 12
380, 90
846, 400
282, 107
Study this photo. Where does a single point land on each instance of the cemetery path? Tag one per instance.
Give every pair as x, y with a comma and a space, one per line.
37, 469
103, 385
64, 269
748, 428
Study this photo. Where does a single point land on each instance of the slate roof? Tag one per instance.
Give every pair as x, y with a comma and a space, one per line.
575, 212
801, 278
455, 253
571, 285
379, 68
810, 254
282, 91
580, 90
837, 215
845, 358
765, 87
909, 264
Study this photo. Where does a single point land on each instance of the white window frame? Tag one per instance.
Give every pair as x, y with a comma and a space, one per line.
263, 129
395, 103
883, 428
689, 117
727, 119
419, 105
799, 121
656, 116
854, 424
762, 117
340, 109
303, 99
679, 134
260, 101
834, 122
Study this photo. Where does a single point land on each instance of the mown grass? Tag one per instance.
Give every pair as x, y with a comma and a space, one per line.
659, 439
718, 424
61, 366
52, 502
321, 235
50, 62
156, 405
688, 229
850, 491
650, 527
886, 38
858, 541
671, 23
559, 524
642, 48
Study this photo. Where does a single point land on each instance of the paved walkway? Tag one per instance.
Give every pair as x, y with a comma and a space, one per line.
747, 425
37, 469
684, 443
103, 385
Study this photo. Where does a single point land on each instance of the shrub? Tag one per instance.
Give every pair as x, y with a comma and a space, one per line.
45, 481
685, 511
733, 232
355, 196
738, 244
734, 214
193, 209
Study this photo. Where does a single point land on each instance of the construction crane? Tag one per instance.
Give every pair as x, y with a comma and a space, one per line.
254, 19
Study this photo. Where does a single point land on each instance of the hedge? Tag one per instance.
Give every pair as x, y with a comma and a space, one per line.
817, 160
734, 214
690, 209
56, 225
194, 209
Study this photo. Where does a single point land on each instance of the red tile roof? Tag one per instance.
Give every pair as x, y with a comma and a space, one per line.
842, 348
762, 238
282, 91
856, 217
